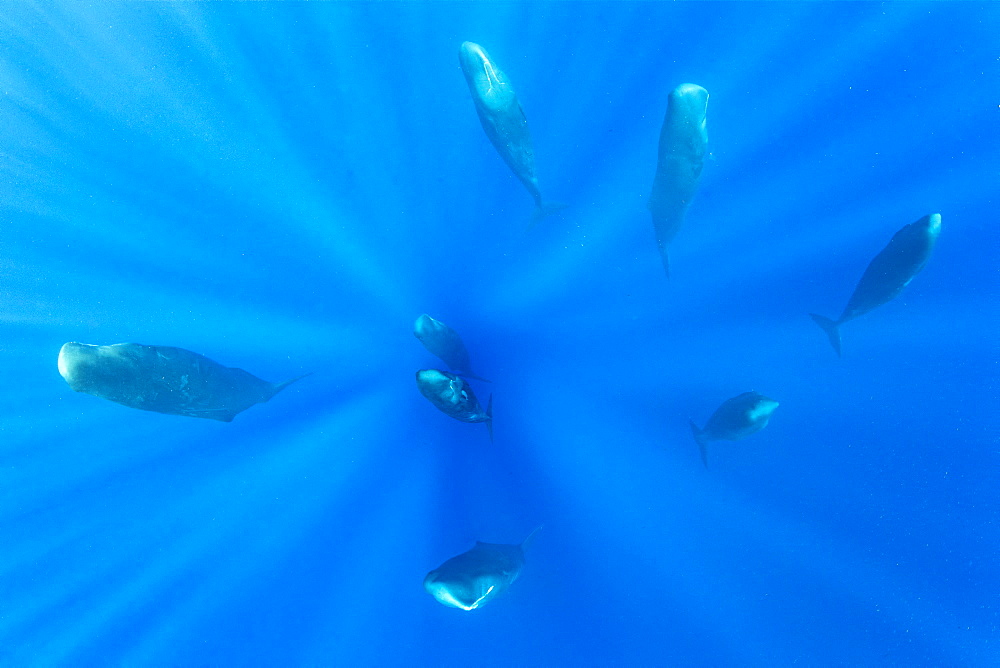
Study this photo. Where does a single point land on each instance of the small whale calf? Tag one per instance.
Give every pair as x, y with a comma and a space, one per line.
893, 268
680, 158
736, 418
453, 396
445, 343
474, 578
502, 119
163, 379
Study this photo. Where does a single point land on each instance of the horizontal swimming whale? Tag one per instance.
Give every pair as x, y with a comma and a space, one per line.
474, 578
503, 120
680, 158
453, 396
893, 268
735, 419
163, 379
444, 342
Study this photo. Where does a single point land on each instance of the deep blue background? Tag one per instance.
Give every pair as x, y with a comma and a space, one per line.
284, 188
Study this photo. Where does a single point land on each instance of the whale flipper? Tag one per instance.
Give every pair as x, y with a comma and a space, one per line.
702, 439
545, 209
278, 387
666, 262
831, 329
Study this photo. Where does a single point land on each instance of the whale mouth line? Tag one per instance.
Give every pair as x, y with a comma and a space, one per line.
491, 75
475, 604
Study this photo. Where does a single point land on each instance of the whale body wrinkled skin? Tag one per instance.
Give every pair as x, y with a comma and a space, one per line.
889, 272
163, 379
680, 158
453, 396
735, 419
474, 578
445, 343
502, 119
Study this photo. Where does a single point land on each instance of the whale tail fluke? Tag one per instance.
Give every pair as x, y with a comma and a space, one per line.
831, 329
544, 210
278, 387
666, 262
702, 440
489, 417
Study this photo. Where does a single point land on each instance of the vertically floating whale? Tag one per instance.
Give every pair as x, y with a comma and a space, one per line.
886, 276
474, 578
444, 342
453, 396
681, 156
736, 418
503, 119
163, 379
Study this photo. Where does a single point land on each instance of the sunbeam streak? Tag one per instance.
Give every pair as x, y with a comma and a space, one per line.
235, 516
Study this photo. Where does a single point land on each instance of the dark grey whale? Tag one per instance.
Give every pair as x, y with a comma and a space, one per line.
474, 578
445, 343
163, 379
503, 120
886, 276
680, 158
735, 419
453, 396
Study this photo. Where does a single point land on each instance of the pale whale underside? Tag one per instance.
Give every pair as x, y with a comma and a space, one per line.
163, 379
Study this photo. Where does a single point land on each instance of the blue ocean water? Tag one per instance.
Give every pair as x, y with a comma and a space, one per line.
286, 187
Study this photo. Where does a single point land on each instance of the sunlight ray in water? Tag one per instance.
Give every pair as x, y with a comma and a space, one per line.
284, 203
255, 507
722, 571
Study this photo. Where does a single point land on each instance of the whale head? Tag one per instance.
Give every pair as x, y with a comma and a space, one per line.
472, 57
438, 385
690, 103
94, 369
464, 593
762, 410
434, 378
486, 81
932, 224
426, 326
